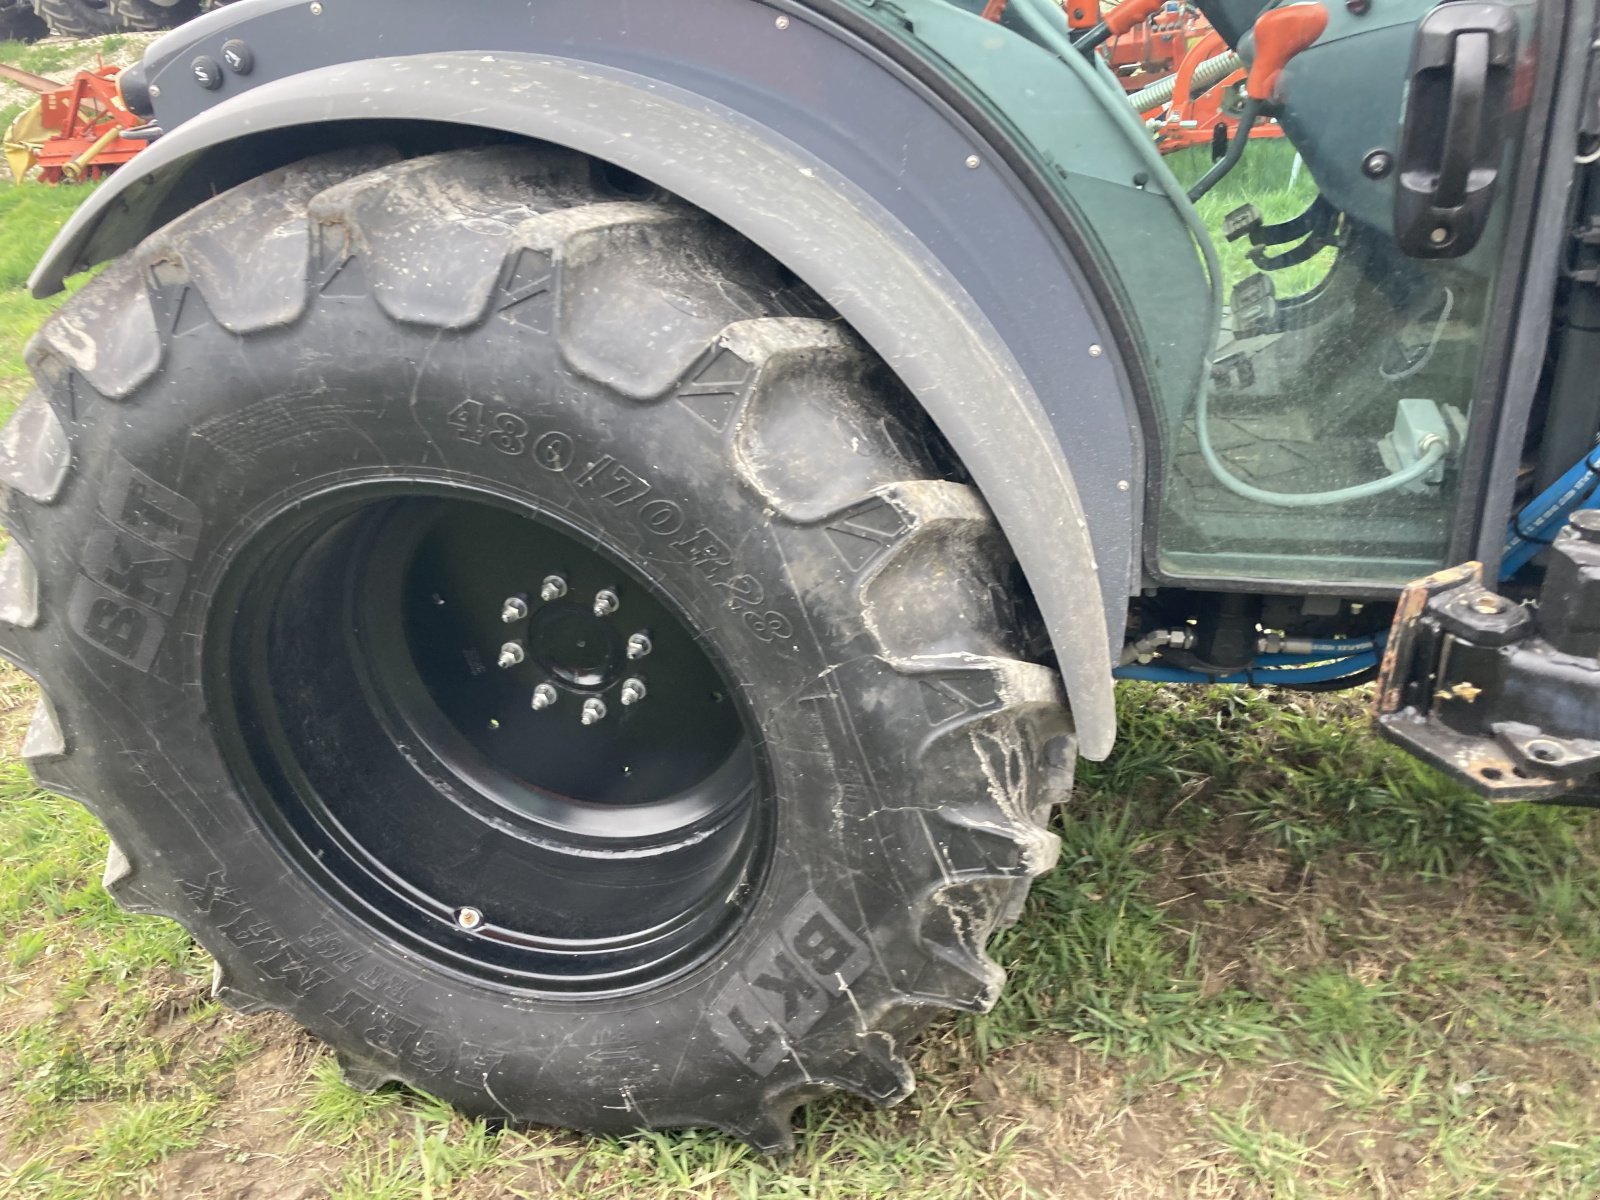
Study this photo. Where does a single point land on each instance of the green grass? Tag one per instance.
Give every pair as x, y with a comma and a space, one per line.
1279, 959
1252, 1153
30, 215
47, 58
1268, 178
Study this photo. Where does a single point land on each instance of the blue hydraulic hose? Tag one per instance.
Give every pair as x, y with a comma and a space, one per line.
1322, 652
1347, 658
1526, 536
1321, 648
1524, 539
1337, 669
1320, 673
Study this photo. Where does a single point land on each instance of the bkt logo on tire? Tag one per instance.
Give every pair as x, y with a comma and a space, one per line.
787, 985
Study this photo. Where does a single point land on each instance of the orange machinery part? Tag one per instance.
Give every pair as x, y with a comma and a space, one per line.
1281, 33
1130, 13
1150, 52
1081, 14
80, 115
1193, 120
1143, 52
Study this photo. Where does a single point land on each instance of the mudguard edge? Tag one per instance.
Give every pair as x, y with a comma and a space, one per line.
886, 282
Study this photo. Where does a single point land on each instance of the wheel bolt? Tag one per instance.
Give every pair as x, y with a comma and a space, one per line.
639, 645
553, 588
633, 691
469, 918
514, 609
594, 709
510, 655
543, 697
606, 602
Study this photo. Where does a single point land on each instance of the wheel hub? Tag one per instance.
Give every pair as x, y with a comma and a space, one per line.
449, 707
575, 648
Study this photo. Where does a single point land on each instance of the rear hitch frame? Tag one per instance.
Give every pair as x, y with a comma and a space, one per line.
1503, 696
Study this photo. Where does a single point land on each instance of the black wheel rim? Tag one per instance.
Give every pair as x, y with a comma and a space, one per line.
478, 729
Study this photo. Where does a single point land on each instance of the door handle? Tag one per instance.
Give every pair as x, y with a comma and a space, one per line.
1454, 133
1463, 127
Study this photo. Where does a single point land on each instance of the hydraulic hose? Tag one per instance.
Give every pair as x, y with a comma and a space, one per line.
1286, 675
1352, 646
1321, 652
1526, 535
1045, 20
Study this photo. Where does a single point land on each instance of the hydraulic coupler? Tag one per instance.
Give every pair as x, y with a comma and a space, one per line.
1505, 697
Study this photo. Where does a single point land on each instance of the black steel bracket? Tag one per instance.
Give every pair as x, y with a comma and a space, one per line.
1502, 696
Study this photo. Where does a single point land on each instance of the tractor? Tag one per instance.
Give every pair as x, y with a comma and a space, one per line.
574, 544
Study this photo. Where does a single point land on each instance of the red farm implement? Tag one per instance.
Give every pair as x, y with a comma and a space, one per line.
1176, 69
76, 131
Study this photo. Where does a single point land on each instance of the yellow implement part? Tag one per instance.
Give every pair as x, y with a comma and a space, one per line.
23, 139
73, 171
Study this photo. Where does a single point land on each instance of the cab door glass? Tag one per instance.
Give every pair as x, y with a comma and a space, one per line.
1312, 329
1358, 275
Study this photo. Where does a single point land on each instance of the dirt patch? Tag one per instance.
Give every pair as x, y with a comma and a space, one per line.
251, 1151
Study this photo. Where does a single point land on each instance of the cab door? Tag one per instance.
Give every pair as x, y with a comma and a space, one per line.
1367, 248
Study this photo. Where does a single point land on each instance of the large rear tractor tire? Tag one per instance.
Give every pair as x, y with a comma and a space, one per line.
96, 18
139, 16
524, 638
78, 18
19, 23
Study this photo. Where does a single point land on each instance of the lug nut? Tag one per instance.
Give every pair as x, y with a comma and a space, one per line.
606, 602
639, 645
553, 588
514, 609
594, 709
510, 655
543, 697
633, 691
469, 918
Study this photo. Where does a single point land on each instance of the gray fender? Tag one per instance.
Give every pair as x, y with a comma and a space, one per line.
867, 186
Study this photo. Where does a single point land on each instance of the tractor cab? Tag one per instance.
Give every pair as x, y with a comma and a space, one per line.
1330, 271
1307, 264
